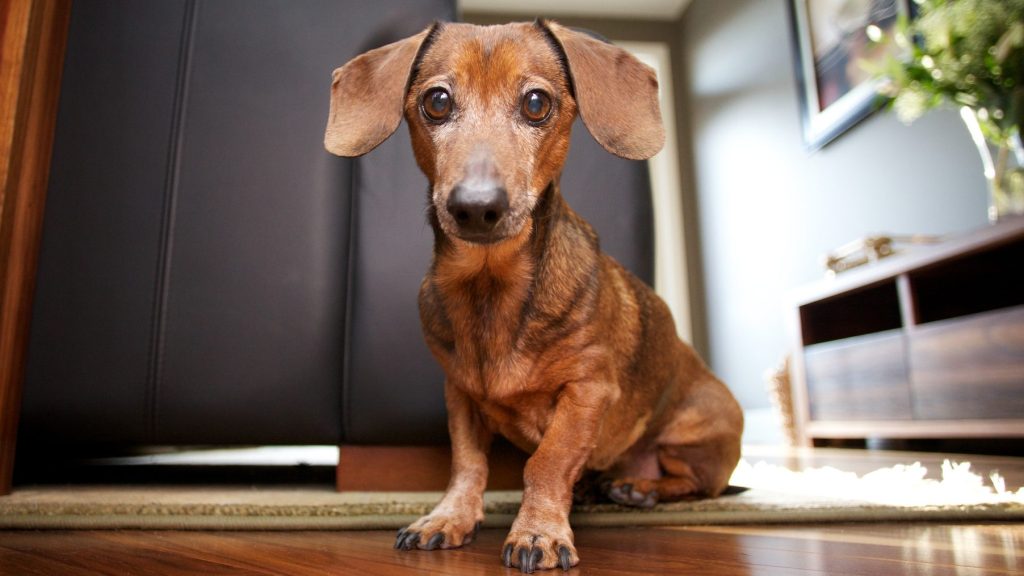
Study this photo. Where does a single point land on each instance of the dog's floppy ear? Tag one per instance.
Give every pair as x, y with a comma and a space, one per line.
367, 96
617, 95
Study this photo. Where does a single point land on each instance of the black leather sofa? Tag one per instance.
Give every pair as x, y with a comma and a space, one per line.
209, 274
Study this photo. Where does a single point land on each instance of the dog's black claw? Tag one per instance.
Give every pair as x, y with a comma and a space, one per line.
650, 500
535, 557
435, 541
524, 561
506, 556
564, 558
402, 542
618, 495
410, 541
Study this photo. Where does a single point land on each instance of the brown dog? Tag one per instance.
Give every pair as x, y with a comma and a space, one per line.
543, 338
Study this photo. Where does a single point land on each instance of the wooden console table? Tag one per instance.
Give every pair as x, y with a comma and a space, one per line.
927, 344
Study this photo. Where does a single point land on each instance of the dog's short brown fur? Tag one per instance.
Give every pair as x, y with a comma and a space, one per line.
543, 338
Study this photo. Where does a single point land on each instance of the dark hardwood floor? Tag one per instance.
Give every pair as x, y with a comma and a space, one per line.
833, 550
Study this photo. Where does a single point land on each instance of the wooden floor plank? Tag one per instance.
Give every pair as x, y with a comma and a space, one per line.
833, 550
915, 547
37, 563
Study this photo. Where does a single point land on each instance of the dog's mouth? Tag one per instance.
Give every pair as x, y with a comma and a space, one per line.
482, 238
509, 226
504, 228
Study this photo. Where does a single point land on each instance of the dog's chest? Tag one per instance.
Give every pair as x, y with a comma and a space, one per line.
475, 310
522, 422
503, 383
510, 387
486, 358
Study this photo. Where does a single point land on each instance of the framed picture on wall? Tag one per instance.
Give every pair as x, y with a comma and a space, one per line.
831, 39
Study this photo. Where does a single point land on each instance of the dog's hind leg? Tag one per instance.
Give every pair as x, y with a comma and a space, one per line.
696, 453
687, 473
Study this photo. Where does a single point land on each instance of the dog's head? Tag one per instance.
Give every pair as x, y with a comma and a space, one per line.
490, 111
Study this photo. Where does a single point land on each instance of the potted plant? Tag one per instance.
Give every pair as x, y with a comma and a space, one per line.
968, 53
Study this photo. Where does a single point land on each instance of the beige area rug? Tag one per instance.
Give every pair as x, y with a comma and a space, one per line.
776, 496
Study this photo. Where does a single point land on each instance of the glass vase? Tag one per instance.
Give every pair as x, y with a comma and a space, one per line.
1003, 166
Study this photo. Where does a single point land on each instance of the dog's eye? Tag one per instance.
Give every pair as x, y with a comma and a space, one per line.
437, 104
536, 106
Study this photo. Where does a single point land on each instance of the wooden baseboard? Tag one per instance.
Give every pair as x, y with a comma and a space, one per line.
419, 468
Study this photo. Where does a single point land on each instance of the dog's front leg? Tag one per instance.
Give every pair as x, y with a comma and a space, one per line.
456, 519
541, 536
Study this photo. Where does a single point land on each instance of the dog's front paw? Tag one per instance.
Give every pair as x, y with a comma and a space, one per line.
432, 532
530, 550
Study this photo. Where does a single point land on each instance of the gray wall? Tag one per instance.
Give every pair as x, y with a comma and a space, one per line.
768, 210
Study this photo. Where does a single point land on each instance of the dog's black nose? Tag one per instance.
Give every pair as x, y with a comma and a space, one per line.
477, 210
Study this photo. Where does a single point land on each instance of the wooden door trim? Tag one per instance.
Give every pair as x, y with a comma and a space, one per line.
33, 36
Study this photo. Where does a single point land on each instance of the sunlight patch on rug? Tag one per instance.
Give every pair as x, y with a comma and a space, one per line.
903, 485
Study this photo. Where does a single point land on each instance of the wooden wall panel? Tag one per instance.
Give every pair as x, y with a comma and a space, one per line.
420, 468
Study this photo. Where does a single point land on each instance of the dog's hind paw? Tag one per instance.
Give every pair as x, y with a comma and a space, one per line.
637, 493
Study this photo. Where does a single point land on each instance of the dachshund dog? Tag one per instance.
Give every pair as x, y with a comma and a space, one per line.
543, 338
